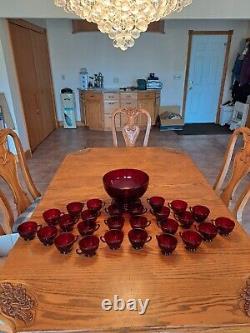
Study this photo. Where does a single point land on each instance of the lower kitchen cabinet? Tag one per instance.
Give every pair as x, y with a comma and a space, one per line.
97, 107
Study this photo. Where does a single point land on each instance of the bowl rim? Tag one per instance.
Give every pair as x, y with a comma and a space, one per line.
126, 169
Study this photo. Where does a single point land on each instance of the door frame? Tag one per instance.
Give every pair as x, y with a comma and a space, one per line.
191, 33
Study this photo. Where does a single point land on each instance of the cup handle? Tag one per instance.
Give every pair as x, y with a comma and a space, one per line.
148, 224
78, 251
148, 239
97, 226
102, 239
176, 217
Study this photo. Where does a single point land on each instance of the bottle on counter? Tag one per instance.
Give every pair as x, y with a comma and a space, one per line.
84, 79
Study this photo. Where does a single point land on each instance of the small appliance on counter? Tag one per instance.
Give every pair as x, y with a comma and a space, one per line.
68, 107
141, 84
84, 79
97, 81
153, 82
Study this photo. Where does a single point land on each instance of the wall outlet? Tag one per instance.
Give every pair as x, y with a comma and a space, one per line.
116, 79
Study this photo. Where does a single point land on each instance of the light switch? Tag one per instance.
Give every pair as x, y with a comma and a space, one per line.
177, 76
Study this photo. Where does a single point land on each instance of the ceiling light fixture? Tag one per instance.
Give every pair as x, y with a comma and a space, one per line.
122, 20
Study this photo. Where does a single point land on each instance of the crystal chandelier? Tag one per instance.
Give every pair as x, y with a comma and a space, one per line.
122, 20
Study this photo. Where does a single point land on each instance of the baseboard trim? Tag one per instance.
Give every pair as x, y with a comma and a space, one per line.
78, 124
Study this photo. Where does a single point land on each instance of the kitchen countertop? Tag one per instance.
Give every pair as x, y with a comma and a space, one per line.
105, 90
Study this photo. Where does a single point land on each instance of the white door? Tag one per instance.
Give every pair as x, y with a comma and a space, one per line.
205, 74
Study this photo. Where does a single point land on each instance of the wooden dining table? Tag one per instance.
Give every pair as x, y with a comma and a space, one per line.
42, 290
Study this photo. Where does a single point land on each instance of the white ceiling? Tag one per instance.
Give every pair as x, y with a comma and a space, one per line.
200, 9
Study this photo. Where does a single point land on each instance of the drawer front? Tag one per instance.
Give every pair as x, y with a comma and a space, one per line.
129, 103
128, 96
146, 95
90, 96
111, 106
111, 96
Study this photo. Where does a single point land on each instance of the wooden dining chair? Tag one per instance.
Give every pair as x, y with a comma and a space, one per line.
25, 199
240, 169
131, 130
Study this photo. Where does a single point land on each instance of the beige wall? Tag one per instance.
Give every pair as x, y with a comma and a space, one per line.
163, 54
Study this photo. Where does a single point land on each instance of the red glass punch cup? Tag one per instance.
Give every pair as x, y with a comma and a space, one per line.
47, 234
224, 225
139, 222
207, 230
88, 246
156, 203
87, 228
113, 238
66, 222
75, 208
191, 239
162, 214
115, 222
169, 226
200, 213
113, 210
28, 230
186, 219
65, 241
178, 206
88, 215
95, 205
52, 216
167, 243
138, 238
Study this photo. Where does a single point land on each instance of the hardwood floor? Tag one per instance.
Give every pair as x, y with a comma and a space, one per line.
207, 151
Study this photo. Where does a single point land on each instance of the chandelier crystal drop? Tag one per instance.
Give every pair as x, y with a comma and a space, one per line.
122, 20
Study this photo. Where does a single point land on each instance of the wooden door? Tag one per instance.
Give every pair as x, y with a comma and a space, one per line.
43, 71
33, 70
205, 76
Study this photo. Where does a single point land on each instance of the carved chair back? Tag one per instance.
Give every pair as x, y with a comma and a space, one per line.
131, 130
241, 167
9, 165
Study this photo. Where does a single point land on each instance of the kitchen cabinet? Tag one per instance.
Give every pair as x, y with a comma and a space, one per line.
93, 110
98, 105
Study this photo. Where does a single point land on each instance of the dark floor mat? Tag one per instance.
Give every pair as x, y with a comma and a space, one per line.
204, 129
